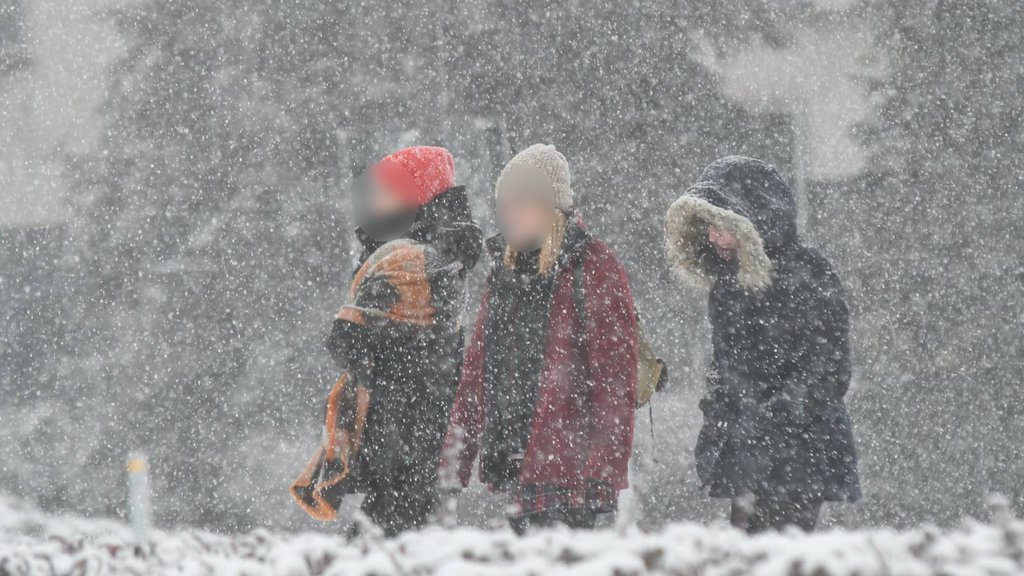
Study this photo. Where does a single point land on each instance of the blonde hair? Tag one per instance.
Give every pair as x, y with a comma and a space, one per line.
549, 251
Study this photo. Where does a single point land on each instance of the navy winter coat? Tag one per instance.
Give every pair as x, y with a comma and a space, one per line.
774, 415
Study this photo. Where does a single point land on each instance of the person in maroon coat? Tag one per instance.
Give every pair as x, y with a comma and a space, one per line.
547, 392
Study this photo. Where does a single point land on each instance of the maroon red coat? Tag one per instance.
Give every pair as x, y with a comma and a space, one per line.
582, 427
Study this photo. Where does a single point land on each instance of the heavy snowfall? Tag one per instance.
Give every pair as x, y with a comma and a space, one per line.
810, 210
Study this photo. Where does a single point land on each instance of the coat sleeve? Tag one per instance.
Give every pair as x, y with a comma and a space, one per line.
612, 356
465, 429
815, 350
352, 347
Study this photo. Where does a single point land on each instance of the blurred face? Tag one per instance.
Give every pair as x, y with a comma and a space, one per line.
526, 209
384, 202
525, 224
381, 212
724, 243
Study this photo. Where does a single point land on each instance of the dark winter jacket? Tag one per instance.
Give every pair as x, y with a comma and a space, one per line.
413, 373
549, 401
399, 336
774, 415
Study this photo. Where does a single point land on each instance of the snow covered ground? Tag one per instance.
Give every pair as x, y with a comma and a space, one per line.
34, 543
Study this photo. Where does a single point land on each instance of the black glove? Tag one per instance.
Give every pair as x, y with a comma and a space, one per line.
715, 412
600, 496
350, 345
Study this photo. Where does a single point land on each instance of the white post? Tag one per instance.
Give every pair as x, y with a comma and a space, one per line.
138, 497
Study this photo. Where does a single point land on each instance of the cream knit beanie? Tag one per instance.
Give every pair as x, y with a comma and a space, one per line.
552, 165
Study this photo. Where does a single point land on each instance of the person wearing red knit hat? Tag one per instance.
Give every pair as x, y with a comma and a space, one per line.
389, 197
398, 340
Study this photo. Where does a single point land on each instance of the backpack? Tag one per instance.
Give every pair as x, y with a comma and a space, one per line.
651, 373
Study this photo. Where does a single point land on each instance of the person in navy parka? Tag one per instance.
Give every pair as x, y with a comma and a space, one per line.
777, 437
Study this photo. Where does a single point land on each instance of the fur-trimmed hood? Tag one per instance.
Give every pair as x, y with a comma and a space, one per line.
744, 196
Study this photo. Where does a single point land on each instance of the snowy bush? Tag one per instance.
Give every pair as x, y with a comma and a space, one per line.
32, 543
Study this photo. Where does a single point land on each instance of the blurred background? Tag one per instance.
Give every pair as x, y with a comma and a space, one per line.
175, 237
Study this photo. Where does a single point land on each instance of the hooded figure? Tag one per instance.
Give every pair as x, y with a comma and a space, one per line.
548, 391
399, 341
777, 437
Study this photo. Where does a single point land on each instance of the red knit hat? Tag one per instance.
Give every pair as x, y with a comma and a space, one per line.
418, 173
